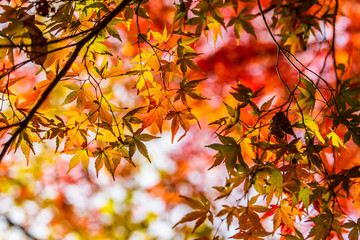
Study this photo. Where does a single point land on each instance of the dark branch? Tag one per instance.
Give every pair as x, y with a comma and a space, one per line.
285, 53
21, 45
96, 30
333, 43
18, 226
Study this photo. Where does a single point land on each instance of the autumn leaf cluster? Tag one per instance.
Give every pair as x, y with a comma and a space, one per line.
98, 81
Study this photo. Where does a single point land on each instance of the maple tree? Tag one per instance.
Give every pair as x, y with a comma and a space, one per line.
270, 87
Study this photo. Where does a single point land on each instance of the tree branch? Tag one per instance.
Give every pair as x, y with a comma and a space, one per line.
333, 44
284, 52
21, 45
24, 230
96, 30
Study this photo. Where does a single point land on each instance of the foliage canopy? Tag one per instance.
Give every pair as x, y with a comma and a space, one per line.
95, 82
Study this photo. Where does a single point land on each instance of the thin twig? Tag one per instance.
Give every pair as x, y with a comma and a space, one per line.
18, 226
95, 31
337, 84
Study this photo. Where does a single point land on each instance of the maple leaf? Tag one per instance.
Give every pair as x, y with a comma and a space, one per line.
180, 118
294, 175
283, 214
247, 215
114, 71
311, 126
229, 124
6, 84
129, 119
335, 140
187, 88
161, 38
103, 111
80, 155
216, 27
279, 125
38, 50
307, 96
244, 94
81, 94
325, 223
154, 115
294, 42
229, 152
111, 157
77, 132
235, 179
241, 22
201, 213
136, 142
267, 179
251, 234
186, 54
355, 229
57, 130
26, 141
